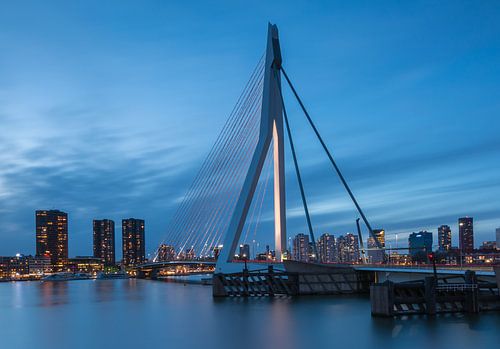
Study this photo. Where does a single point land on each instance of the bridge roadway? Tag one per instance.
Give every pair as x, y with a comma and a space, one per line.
170, 263
382, 272
155, 269
399, 273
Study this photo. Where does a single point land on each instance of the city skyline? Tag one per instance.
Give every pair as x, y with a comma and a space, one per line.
52, 249
106, 235
72, 136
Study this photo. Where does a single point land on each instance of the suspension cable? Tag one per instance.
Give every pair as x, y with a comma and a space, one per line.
297, 171
337, 169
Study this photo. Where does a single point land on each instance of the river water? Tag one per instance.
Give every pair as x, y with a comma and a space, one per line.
152, 314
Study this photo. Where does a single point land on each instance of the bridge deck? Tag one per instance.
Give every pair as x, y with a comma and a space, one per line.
426, 270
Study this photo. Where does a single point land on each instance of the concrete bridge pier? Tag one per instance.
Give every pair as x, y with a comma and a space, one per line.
471, 303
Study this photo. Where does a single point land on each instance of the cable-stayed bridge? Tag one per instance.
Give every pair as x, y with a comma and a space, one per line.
212, 216
221, 208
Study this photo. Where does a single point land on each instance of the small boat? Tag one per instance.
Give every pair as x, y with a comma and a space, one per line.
66, 277
110, 276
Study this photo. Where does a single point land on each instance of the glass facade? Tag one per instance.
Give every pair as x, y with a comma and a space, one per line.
420, 244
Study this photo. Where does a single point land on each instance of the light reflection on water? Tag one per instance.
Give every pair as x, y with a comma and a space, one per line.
138, 313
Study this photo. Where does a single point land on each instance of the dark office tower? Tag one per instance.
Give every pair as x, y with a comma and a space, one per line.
466, 234
444, 238
244, 251
134, 248
52, 236
420, 244
104, 240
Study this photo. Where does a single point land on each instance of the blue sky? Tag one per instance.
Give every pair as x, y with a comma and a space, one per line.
107, 109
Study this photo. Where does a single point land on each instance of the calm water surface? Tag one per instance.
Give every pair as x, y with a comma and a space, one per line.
148, 314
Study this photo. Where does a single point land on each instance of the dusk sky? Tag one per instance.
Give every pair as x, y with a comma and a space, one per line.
108, 108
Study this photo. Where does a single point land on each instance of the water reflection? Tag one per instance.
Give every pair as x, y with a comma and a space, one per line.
53, 293
138, 313
447, 330
284, 322
104, 290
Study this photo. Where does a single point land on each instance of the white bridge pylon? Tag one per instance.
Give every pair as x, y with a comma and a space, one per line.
271, 129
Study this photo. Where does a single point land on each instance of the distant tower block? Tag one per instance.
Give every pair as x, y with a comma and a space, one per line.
271, 129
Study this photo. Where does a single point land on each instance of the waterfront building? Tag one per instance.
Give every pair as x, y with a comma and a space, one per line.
488, 246
327, 248
21, 267
104, 240
39, 265
262, 256
487, 254
5, 267
190, 254
85, 264
4, 263
420, 244
376, 254
348, 248
268, 255
14, 267
187, 254
301, 248
271, 255
19, 264
244, 251
52, 236
444, 238
312, 252
166, 253
133, 242
466, 234
398, 258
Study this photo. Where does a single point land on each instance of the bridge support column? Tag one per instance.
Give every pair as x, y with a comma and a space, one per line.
430, 295
271, 129
218, 289
382, 299
471, 304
